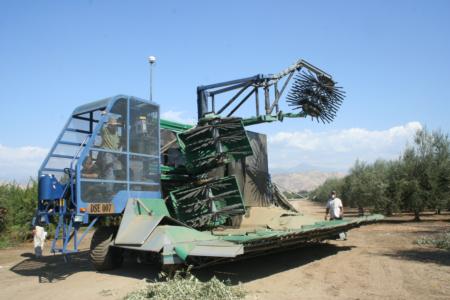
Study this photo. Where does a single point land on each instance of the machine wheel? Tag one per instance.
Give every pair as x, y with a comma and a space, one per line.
102, 256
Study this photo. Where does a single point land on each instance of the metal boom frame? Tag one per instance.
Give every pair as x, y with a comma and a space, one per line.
206, 94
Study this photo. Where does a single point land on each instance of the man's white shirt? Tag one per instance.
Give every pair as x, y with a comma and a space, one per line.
334, 205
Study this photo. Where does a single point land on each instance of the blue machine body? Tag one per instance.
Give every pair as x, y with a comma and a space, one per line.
49, 188
107, 153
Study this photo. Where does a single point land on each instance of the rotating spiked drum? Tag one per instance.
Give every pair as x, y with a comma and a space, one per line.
316, 96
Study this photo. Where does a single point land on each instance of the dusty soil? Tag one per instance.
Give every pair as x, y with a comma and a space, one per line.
378, 261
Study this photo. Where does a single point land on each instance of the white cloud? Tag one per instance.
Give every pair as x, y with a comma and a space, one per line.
334, 150
177, 116
20, 163
337, 149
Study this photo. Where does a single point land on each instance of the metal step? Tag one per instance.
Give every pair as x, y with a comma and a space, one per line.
63, 156
52, 170
71, 143
78, 130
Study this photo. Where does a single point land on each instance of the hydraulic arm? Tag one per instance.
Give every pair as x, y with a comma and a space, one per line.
313, 93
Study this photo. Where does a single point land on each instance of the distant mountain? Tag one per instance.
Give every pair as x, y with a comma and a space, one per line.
302, 168
303, 181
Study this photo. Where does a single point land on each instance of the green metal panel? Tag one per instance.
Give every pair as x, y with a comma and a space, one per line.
187, 241
208, 204
310, 231
177, 242
174, 126
156, 207
140, 218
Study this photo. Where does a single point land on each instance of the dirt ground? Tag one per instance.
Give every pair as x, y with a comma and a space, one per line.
378, 261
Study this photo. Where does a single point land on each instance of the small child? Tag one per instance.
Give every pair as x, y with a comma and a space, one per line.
39, 239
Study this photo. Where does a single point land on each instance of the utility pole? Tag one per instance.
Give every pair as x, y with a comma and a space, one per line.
152, 61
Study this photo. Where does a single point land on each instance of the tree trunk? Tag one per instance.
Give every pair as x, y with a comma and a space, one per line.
417, 215
388, 211
360, 210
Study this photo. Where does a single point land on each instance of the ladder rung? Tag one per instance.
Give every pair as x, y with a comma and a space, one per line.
85, 119
71, 143
63, 156
52, 170
78, 130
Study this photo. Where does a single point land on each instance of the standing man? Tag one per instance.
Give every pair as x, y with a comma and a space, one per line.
336, 211
334, 208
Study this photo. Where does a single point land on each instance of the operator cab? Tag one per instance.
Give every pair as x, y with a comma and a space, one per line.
107, 153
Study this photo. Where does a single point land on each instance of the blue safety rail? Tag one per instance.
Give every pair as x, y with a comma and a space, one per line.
107, 153
57, 178
64, 154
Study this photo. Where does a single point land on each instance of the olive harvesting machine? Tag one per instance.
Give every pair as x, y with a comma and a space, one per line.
183, 194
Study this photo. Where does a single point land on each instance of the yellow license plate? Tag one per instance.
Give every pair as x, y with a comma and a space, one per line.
100, 208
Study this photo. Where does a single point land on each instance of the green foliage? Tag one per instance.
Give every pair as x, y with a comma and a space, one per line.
290, 195
186, 286
418, 180
366, 185
441, 241
295, 195
17, 208
322, 193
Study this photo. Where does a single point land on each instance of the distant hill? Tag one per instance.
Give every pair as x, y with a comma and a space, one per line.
303, 181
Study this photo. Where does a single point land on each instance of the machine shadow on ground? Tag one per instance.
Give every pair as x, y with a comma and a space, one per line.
51, 269
424, 255
54, 268
267, 265
425, 217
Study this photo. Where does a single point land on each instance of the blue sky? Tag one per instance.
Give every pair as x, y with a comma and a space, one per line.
391, 57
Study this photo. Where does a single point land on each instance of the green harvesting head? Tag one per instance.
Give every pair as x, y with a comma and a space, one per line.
214, 142
207, 205
316, 95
